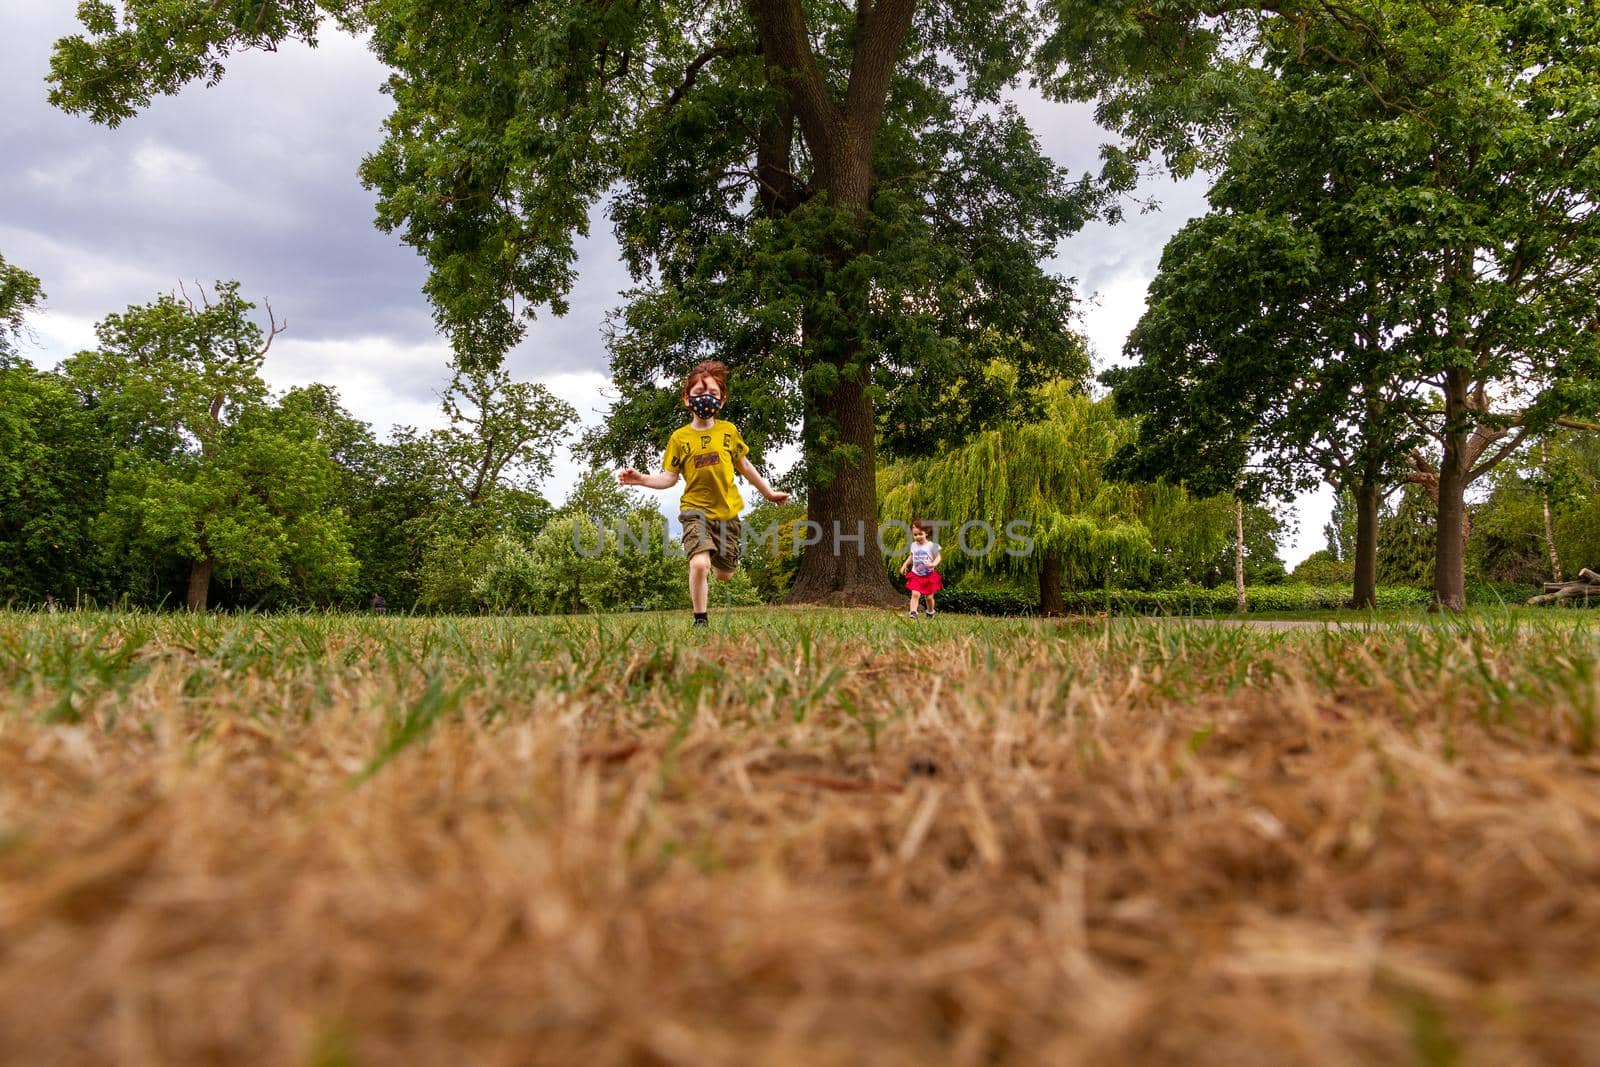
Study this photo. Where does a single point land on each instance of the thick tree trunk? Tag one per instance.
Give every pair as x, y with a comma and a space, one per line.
1450, 557
1238, 555
844, 566
1450, 567
199, 583
840, 437
1365, 595
1051, 602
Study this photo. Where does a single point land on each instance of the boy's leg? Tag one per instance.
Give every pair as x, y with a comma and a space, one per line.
698, 546
725, 557
699, 580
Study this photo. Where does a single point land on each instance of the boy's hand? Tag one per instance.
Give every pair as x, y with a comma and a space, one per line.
629, 476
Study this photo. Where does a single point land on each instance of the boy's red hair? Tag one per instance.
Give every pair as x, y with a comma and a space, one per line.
714, 369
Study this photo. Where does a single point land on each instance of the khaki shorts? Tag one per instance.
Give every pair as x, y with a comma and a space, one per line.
720, 537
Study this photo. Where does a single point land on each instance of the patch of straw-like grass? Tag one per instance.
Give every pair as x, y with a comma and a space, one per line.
809, 838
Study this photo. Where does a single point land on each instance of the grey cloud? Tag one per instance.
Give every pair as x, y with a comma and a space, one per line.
575, 342
252, 179
1102, 253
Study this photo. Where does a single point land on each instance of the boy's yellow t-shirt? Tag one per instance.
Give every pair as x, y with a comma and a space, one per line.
705, 459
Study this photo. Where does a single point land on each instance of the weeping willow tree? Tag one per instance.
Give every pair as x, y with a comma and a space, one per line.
1041, 480
1188, 532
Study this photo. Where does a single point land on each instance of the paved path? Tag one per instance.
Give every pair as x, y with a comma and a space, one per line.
1349, 624
1301, 624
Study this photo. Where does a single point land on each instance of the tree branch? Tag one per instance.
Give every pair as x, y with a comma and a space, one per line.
1578, 424
692, 71
880, 34
1476, 472
274, 328
781, 29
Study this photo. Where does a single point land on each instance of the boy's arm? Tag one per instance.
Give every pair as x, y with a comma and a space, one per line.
660, 480
753, 476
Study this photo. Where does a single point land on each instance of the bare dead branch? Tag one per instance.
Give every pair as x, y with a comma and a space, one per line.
274, 328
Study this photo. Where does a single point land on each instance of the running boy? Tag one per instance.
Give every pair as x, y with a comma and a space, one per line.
706, 454
923, 562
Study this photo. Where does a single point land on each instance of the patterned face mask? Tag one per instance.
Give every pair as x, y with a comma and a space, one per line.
704, 405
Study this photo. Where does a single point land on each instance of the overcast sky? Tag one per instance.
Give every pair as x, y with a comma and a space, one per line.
255, 179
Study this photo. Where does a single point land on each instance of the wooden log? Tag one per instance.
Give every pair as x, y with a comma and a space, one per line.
1573, 589
1586, 584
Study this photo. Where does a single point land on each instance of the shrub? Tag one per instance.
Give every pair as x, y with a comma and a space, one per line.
509, 580
739, 591
1321, 568
987, 602
1187, 600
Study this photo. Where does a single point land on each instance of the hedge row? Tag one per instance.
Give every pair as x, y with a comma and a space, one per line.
1188, 601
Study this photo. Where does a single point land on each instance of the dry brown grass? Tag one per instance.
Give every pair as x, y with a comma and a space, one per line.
809, 841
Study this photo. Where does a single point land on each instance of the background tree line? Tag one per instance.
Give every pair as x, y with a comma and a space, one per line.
1396, 288
158, 469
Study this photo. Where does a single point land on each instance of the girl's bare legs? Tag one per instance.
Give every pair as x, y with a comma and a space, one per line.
931, 608
914, 598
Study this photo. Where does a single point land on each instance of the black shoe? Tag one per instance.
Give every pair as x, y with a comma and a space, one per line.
702, 622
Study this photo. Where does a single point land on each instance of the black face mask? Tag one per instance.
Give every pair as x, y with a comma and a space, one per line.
704, 405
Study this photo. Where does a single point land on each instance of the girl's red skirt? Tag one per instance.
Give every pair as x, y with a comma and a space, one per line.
926, 584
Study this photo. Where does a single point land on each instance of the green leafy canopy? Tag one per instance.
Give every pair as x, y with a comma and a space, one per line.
511, 121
